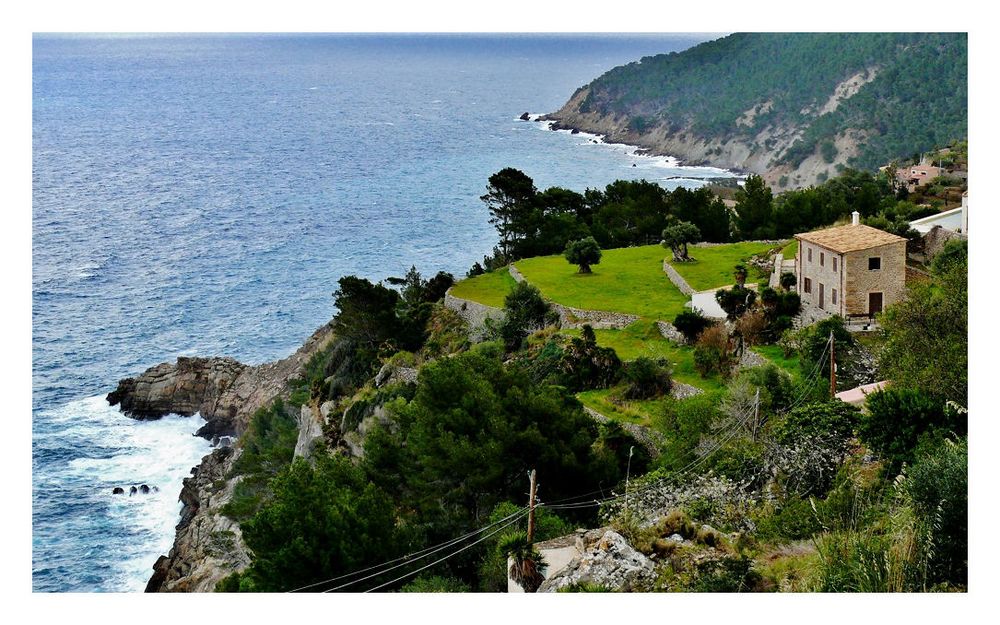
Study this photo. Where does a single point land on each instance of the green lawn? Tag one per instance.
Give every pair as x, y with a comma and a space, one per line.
789, 251
775, 355
713, 266
628, 280
639, 412
643, 339
489, 288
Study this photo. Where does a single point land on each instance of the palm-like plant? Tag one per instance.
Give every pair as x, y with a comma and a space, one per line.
528, 566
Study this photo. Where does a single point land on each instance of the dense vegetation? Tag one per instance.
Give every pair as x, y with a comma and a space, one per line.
917, 101
627, 212
767, 482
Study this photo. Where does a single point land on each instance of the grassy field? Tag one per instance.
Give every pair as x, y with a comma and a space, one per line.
713, 266
639, 412
775, 355
628, 280
643, 339
789, 251
488, 288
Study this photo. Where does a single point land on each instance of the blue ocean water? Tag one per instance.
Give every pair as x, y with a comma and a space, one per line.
201, 195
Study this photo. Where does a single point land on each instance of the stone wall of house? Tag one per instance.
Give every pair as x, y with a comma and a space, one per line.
890, 280
821, 274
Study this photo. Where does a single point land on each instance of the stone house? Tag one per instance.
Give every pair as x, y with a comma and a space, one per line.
850, 270
917, 175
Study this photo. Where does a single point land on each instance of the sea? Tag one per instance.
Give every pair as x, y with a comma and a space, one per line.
202, 194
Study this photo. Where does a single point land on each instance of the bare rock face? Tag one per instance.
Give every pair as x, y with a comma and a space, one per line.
310, 430
610, 562
208, 546
188, 386
225, 392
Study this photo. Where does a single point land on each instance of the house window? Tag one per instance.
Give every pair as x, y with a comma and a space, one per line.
874, 263
834, 264
822, 257
809, 254
807, 286
833, 295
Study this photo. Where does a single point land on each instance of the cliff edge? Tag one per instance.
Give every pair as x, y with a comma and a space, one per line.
208, 546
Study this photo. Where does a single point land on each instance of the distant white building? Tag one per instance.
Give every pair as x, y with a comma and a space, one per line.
940, 228
956, 219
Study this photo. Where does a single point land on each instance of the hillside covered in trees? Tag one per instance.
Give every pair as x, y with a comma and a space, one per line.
794, 107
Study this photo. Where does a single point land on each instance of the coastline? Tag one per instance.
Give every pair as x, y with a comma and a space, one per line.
208, 545
659, 157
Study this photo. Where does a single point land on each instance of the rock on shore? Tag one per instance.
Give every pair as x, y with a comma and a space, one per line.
224, 391
208, 546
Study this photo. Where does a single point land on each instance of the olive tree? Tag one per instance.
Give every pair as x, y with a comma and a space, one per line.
584, 253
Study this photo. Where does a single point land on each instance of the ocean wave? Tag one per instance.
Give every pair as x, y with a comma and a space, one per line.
76, 492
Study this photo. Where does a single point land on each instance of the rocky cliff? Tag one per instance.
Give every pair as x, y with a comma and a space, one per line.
759, 154
793, 107
209, 546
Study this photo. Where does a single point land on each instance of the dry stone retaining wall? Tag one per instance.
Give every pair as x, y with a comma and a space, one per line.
669, 332
473, 313
677, 279
597, 319
651, 440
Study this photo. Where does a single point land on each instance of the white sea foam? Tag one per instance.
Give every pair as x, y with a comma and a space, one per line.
125, 452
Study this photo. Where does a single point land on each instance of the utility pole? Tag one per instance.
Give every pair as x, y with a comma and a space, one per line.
756, 414
531, 507
628, 473
833, 368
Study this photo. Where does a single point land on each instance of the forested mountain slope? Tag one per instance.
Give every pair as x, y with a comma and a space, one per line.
794, 107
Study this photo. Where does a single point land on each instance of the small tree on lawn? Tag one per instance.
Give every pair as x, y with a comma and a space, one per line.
584, 253
677, 235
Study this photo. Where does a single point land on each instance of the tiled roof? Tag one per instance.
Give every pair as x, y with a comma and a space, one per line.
849, 238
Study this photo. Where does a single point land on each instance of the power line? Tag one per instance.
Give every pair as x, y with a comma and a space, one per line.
742, 420
409, 558
451, 555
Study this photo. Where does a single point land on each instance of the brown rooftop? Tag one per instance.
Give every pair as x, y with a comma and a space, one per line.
849, 238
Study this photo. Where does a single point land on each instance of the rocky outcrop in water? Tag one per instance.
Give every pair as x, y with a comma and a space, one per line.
188, 386
208, 546
224, 391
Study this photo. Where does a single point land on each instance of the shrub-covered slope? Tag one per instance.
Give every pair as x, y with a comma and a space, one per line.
796, 105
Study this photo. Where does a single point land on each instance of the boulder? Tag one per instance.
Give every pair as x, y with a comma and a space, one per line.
525, 116
118, 490
132, 491
612, 562
144, 489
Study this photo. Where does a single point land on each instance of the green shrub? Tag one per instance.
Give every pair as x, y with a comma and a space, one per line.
729, 574
583, 364
435, 583
268, 447
813, 420
898, 418
795, 519
937, 487
691, 323
646, 378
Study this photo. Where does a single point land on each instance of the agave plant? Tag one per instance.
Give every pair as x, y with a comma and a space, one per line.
527, 568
